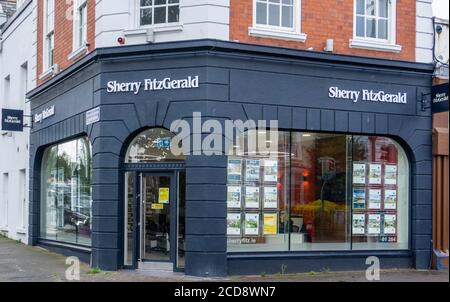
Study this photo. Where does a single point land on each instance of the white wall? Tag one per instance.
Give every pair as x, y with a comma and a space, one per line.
18, 48
424, 31
199, 19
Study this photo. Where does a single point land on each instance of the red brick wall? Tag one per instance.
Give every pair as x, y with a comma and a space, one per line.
63, 33
328, 19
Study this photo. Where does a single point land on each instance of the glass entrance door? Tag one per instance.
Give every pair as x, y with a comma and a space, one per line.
157, 204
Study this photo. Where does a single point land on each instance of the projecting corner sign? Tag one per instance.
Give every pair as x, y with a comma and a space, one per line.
153, 85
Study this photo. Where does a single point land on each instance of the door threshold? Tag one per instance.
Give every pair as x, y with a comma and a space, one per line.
156, 266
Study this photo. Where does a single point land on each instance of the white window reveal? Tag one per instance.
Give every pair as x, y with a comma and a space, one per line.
278, 19
159, 12
49, 34
374, 25
79, 29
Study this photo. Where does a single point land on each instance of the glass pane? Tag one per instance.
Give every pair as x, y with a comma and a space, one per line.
261, 13
160, 2
371, 28
360, 7
83, 210
146, 16
174, 1
152, 145
360, 26
181, 219
174, 13
129, 218
156, 218
49, 193
382, 29
383, 8
379, 194
146, 2
319, 203
160, 15
370, 7
287, 16
274, 15
258, 192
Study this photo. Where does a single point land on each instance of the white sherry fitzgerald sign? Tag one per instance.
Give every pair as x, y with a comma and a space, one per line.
153, 85
367, 95
45, 114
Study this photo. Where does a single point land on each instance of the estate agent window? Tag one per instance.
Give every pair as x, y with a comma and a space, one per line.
66, 201
159, 11
49, 33
319, 192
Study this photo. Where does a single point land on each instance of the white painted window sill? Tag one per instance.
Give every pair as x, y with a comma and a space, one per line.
76, 53
4, 229
46, 73
276, 34
156, 29
374, 45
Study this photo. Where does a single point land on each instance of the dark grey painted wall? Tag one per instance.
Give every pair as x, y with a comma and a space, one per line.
236, 82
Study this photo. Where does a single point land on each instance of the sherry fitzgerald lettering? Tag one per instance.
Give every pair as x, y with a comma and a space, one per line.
367, 95
153, 85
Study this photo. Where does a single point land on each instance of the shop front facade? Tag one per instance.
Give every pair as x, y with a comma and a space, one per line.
350, 176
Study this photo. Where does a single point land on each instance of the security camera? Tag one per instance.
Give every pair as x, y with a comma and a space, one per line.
121, 40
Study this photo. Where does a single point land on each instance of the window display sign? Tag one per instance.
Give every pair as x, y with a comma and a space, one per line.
252, 197
234, 169
270, 197
359, 224
12, 120
270, 170
359, 174
252, 224
163, 195
390, 199
270, 224
374, 224
234, 197
252, 170
390, 174
233, 224
390, 224
374, 199
359, 199
375, 174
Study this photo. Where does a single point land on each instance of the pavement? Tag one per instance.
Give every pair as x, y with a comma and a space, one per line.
23, 263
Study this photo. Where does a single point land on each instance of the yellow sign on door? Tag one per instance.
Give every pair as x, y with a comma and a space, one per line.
163, 195
270, 224
157, 206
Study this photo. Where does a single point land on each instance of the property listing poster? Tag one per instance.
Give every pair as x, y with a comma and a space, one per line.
234, 169
374, 224
234, 197
270, 226
234, 224
252, 170
359, 199
359, 224
270, 197
270, 170
252, 224
374, 199
390, 199
252, 197
390, 224
390, 175
375, 174
359, 173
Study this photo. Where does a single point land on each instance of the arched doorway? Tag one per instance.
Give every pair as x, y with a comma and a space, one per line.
154, 202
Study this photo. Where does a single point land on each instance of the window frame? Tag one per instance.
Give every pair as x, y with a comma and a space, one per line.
48, 35
293, 33
388, 44
80, 25
138, 9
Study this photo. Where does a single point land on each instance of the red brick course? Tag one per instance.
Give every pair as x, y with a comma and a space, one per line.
328, 19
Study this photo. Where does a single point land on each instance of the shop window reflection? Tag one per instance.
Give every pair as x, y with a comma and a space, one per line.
66, 203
